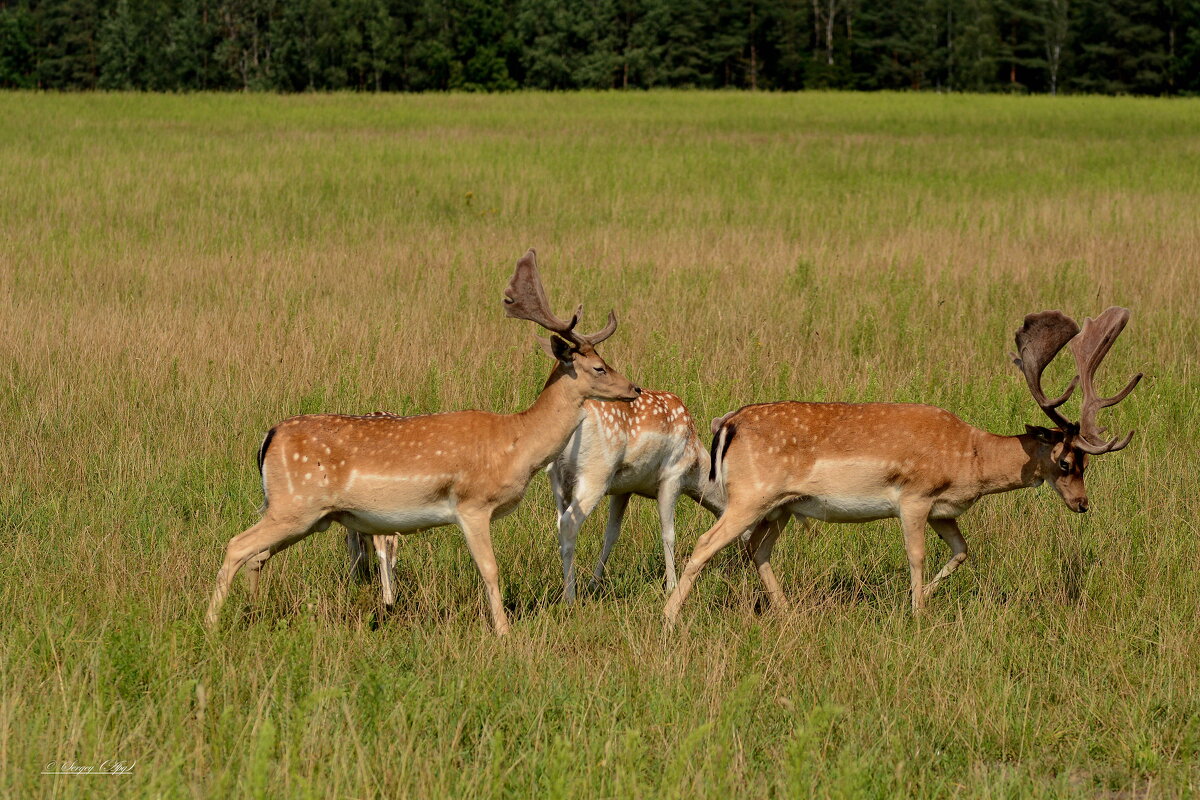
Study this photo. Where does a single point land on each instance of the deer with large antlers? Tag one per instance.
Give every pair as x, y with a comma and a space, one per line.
649, 448
380, 475
842, 462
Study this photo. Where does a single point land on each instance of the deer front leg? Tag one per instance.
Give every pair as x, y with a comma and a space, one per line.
668, 496
951, 535
561, 486
913, 517
476, 525
358, 555
616, 513
587, 495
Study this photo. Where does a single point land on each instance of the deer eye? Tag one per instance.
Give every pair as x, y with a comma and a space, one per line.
1065, 466
599, 370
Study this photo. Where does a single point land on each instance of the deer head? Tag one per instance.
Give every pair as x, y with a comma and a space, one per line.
525, 298
1062, 452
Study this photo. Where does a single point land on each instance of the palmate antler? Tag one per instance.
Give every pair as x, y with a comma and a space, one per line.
525, 298
1038, 341
1089, 349
1041, 338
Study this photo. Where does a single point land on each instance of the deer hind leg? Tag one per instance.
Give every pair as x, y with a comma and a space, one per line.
254, 571
762, 542
951, 535
616, 513
258, 543
587, 494
476, 525
255, 565
385, 548
912, 519
730, 526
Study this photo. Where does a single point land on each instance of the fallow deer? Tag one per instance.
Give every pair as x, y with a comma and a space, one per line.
649, 448
842, 462
382, 475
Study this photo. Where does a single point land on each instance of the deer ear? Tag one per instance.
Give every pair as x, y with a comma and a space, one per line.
1043, 435
544, 343
562, 350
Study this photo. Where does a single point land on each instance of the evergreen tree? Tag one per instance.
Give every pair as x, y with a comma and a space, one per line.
899, 44
785, 30
666, 45
191, 41
70, 56
568, 45
18, 49
1185, 47
1123, 47
119, 44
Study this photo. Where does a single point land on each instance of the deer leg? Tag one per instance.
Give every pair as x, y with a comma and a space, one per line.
267, 536
730, 526
752, 539
253, 571
587, 496
358, 555
951, 535
668, 496
385, 548
560, 487
766, 534
912, 520
476, 525
616, 513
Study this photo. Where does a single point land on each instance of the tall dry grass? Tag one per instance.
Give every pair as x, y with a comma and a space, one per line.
177, 273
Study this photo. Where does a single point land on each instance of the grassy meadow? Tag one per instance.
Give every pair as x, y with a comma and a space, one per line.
178, 273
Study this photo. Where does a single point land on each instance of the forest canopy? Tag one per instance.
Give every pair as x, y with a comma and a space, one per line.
1047, 46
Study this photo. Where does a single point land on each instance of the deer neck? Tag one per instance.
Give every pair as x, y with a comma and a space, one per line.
1006, 462
544, 428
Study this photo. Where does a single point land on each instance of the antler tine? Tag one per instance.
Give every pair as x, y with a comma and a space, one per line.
525, 298
1089, 349
1039, 340
594, 339
1110, 446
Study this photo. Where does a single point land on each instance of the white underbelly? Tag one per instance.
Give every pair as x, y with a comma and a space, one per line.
402, 520
634, 483
847, 508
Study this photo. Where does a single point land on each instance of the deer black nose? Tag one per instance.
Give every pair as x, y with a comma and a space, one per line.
1083, 507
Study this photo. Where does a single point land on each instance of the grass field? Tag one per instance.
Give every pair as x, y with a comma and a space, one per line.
178, 273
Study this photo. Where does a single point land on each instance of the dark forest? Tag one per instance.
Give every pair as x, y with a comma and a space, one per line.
1149, 47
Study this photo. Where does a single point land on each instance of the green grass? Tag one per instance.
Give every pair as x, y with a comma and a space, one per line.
177, 273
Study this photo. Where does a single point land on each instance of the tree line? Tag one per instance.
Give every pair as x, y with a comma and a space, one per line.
1051, 46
